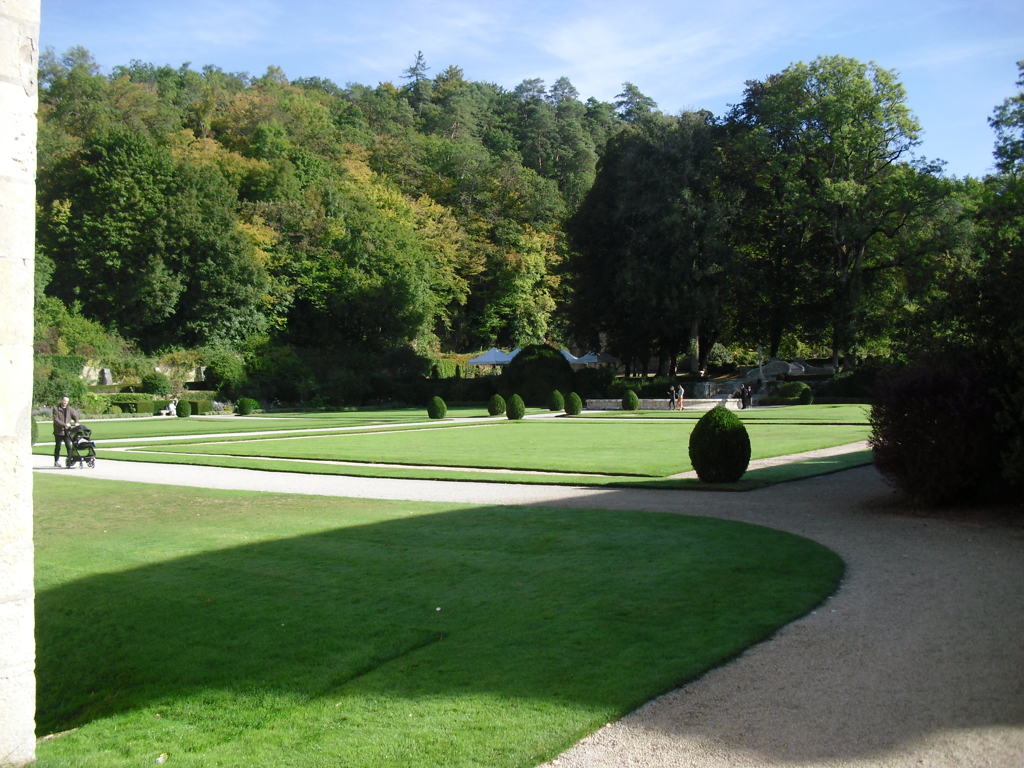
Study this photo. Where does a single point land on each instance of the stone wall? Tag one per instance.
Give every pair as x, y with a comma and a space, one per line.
19, 56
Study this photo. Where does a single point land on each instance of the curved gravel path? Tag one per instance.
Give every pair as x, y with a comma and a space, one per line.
918, 660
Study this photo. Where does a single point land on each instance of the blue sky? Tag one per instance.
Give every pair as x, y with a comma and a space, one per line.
956, 59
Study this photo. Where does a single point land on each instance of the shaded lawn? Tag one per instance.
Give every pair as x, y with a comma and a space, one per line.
232, 628
650, 449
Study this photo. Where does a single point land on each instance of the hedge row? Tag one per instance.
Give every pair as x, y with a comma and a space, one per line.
137, 403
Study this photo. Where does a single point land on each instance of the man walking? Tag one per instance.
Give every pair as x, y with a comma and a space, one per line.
63, 415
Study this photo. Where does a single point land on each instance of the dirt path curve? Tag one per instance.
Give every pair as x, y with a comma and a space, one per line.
918, 660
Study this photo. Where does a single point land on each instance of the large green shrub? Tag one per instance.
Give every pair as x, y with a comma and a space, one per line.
225, 373
535, 371
436, 408
155, 383
806, 396
57, 383
934, 435
246, 405
555, 401
516, 408
719, 447
184, 409
496, 405
630, 401
573, 404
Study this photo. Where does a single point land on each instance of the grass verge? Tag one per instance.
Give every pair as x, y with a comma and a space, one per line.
651, 449
234, 628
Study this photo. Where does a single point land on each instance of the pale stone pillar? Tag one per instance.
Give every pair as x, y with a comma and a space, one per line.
19, 58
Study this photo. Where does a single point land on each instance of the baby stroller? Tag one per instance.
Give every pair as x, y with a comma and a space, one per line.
83, 450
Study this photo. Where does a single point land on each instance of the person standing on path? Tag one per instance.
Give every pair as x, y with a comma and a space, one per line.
63, 415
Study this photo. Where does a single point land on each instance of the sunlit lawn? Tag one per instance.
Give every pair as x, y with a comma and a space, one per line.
157, 426
240, 629
651, 449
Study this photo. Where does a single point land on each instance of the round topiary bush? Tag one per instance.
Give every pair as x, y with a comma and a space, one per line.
184, 409
246, 405
630, 402
719, 447
516, 408
155, 383
806, 396
436, 409
555, 401
573, 404
35, 430
496, 405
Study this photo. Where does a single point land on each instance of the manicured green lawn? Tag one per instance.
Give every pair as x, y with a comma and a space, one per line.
157, 426
241, 629
650, 449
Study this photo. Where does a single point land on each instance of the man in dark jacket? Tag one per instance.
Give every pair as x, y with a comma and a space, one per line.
63, 415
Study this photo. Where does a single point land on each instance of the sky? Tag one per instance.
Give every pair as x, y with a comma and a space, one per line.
957, 60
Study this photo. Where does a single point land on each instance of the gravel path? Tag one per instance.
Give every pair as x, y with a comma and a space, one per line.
918, 660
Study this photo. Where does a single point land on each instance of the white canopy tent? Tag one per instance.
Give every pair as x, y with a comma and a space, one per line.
569, 356
597, 358
493, 356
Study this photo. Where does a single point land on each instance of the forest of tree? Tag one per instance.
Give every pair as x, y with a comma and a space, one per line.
182, 208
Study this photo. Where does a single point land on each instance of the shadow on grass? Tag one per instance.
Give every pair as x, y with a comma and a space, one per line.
602, 609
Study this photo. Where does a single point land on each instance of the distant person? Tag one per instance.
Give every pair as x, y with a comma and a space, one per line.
63, 415
672, 397
172, 407
681, 393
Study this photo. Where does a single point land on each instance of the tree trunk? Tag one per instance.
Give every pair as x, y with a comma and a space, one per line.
695, 346
663, 359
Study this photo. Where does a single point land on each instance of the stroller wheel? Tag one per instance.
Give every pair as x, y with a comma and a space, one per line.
92, 463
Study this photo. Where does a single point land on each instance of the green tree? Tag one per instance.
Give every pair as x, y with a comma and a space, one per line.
634, 106
854, 135
651, 247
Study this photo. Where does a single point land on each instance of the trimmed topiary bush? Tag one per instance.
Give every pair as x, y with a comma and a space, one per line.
496, 405
719, 447
573, 404
555, 401
516, 408
806, 396
35, 430
436, 409
184, 409
246, 405
630, 401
